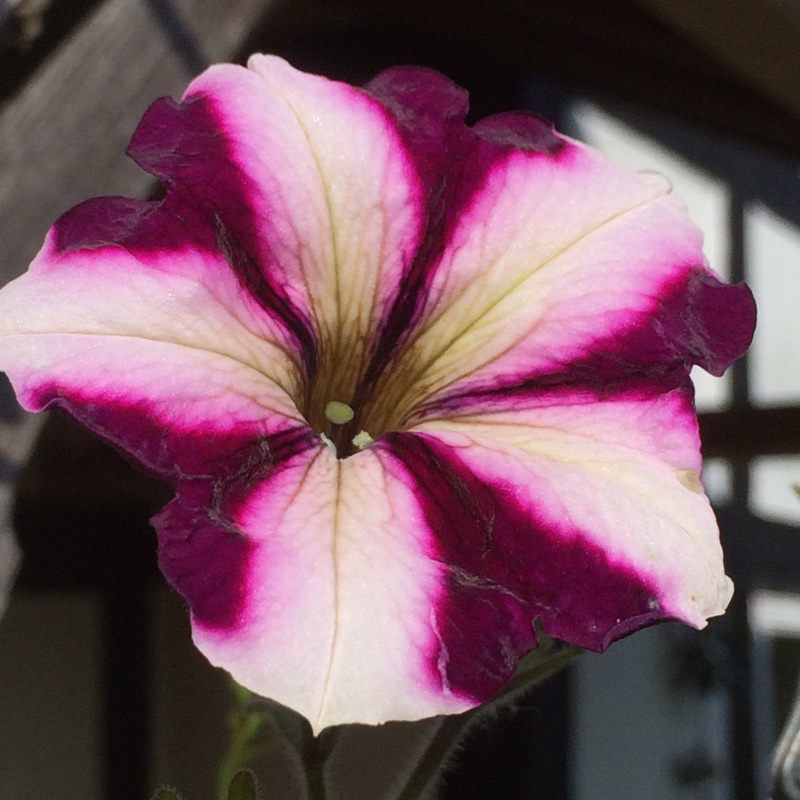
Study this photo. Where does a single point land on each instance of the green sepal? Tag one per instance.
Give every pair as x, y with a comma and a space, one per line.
243, 786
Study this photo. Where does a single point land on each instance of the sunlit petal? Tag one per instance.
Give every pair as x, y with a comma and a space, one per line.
622, 474
339, 619
559, 254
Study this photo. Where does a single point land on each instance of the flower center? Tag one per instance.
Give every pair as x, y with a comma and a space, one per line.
340, 437
346, 402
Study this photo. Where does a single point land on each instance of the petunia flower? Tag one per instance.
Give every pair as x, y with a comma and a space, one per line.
417, 385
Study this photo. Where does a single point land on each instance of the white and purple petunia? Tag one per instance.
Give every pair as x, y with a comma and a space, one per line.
416, 384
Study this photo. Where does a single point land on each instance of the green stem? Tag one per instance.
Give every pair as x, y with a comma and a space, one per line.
551, 659
429, 768
315, 781
317, 750
246, 729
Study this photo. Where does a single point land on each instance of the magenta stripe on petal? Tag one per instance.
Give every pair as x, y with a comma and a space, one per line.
505, 569
452, 163
204, 560
173, 451
203, 554
701, 321
184, 145
106, 220
214, 469
521, 131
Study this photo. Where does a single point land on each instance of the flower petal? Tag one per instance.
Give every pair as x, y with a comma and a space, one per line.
559, 521
406, 580
622, 473
146, 337
321, 233
337, 621
557, 253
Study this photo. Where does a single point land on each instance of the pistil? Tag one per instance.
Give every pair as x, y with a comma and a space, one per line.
338, 413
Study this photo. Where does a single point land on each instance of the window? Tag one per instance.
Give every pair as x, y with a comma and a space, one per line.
714, 739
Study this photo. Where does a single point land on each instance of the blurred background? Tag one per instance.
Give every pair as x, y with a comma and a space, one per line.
101, 692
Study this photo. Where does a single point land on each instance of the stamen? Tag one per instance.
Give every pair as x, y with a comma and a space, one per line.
362, 440
339, 415
329, 443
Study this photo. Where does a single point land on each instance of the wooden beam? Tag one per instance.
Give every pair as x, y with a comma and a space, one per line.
63, 134
30, 31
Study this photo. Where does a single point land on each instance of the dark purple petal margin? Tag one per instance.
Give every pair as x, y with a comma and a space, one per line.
201, 551
207, 205
451, 162
506, 568
700, 321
